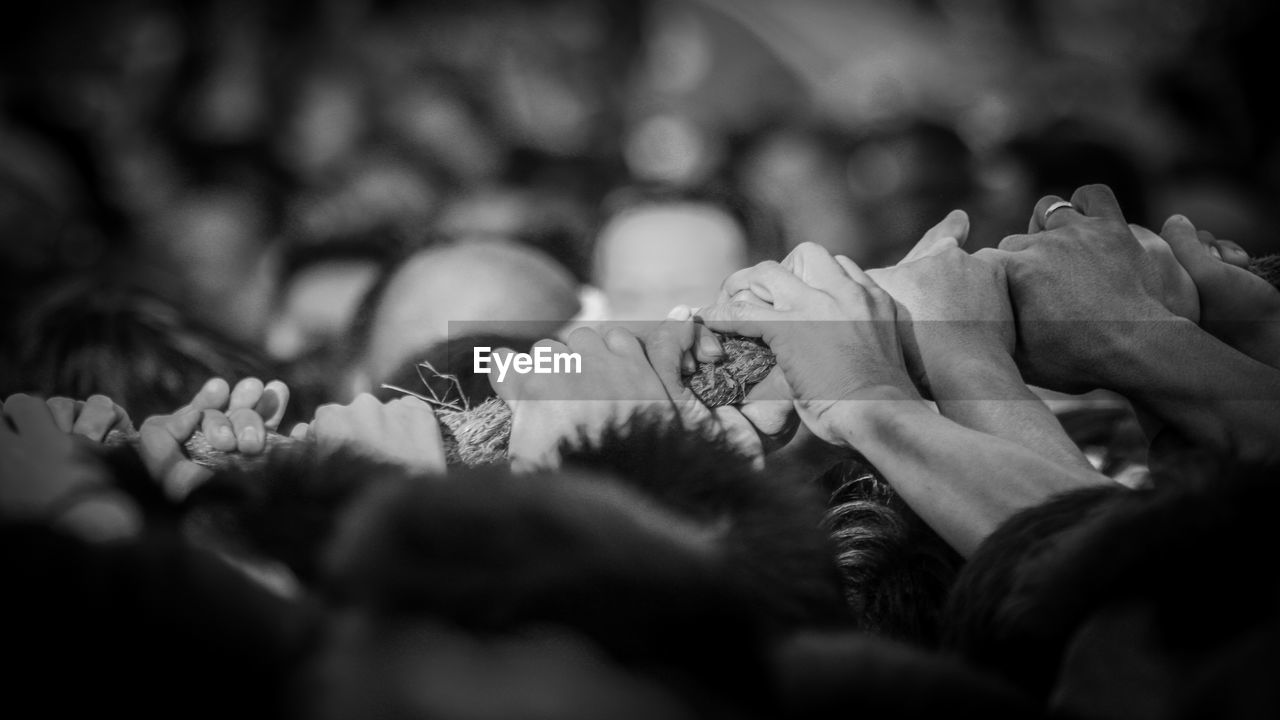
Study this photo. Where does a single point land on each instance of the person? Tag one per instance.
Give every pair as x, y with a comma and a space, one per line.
492, 286
318, 291
1095, 309
661, 247
85, 336
851, 386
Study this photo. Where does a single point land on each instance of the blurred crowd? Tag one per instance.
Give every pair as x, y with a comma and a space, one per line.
283, 229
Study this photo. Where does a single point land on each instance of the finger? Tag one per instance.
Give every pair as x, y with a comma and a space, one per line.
246, 394
251, 434
428, 443
212, 396
31, 416
738, 318
585, 340
161, 441
740, 433
814, 265
1052, 212
748, 297
96, 418
273, 404
666, 349
300, 431
953, 230
680, 313
63, 410
218, 431
852, 271
706, 346
1015, 243
768, 280
1097, 201
623, 342
1181, 236
1231, 253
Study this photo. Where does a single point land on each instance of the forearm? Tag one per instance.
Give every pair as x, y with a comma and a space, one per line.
1209, 392
988, 395
962, 482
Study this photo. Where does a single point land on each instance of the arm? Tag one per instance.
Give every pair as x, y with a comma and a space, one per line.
957, 329
835, 339
1095, 310
989, 396
1204, 389
964, 483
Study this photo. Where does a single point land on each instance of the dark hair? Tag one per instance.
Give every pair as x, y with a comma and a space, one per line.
1188, 553
895, 569
768, 525
87, 335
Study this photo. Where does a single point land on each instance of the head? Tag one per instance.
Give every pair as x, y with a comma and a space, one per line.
320, 288
86, 335
895, 570
658, 248
493, 286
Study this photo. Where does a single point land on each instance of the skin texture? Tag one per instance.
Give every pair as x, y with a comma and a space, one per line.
49, 473
511, 289
834, 332
1094, 312
653, 258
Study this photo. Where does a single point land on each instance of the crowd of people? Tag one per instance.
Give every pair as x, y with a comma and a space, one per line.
1012, 454
892, 522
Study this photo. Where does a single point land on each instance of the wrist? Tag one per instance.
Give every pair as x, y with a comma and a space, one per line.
987, 375
860, 415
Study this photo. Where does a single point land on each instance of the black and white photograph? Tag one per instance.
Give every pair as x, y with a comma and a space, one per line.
640, 359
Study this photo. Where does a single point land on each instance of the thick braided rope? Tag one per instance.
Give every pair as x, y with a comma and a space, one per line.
479, 435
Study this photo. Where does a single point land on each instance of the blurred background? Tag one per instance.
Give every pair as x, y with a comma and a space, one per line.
212, 152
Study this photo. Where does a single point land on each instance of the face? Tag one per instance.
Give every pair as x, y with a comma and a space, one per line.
318, 305
651, 259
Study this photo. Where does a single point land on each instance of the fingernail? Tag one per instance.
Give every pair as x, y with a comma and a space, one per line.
249, 435
225, 435
1213, 250
709, 345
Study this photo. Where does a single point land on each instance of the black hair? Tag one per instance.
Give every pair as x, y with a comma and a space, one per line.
1189, 552
896, 570
88, 335
769, 525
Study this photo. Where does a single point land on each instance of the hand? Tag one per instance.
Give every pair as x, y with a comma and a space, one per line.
1080, 287
833, 332
952, 307
670, 348
403, 431
1236, 306
232, 421
768, 406
616, 380
49, 473
92, 419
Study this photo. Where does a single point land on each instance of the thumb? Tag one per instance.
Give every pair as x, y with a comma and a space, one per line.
952, 231
1187, 248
